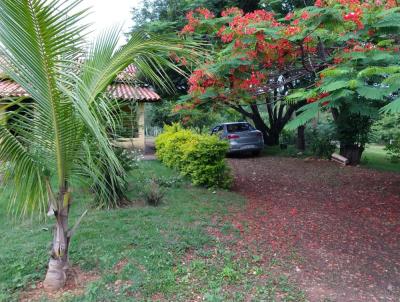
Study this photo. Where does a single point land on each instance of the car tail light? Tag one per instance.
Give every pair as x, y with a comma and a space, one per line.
233, 136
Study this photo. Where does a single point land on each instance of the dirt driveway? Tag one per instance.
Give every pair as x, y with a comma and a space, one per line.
338, 227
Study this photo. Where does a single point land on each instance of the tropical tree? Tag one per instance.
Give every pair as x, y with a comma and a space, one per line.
342, 54
168, 16
62, 136
360, 42
257, 62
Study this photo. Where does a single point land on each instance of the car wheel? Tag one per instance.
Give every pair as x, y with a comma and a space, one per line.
256, 153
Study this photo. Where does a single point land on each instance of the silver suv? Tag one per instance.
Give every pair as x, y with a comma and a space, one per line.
242, 137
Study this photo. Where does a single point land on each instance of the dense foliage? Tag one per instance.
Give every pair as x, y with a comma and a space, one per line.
160, 16
200, 157
321, 144
393, 149
344, 53
386, 128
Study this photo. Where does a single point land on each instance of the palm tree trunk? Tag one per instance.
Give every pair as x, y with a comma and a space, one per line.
56, 273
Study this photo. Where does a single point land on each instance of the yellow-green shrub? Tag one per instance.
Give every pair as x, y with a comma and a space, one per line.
200, 157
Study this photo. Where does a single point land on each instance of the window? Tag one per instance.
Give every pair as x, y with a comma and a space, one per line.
239, 127
217, 129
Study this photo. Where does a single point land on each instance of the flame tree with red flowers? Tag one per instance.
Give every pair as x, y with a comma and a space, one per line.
338, 56
252, 50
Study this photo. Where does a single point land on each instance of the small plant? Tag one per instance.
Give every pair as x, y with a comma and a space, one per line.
153, 193
169, 182
393, 149
322, 147
321, 141
129, 160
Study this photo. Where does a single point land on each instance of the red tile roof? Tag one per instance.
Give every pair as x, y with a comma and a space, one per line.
9, 88
128, 74
118, 90
128, 92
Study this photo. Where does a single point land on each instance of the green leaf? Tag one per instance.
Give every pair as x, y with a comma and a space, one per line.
389, 20
392, 107
384, 43
308, 112
372, 93
209, 94
334, 72
299, 95
340, 94
334, 86
378, 70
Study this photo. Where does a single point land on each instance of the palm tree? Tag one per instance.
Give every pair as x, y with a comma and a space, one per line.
62, 134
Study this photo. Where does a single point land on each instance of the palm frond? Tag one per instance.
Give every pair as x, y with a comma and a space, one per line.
36, 37
392, 107
306, 113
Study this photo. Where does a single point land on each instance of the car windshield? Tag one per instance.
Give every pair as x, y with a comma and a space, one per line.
240, 127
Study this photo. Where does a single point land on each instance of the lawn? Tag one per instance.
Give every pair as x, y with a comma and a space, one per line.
375, 157
144, 253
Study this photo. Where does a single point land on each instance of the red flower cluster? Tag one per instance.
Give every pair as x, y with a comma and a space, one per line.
355, 17
319, 3
205, 13
289, 16
292, 30
354, 3
232, 12
200, 80
255, 80
319, 97
194, 17
305, 15
180, 107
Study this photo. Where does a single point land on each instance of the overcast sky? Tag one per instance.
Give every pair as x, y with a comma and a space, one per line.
106, 13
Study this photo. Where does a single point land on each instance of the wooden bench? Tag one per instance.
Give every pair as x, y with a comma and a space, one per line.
339, 159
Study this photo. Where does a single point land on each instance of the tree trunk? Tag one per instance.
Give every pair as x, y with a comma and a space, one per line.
56, 274
272, 138
352, 153
301, 141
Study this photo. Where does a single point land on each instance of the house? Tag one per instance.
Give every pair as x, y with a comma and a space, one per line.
124, 88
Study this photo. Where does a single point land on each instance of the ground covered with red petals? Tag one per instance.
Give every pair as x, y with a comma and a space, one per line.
337, 228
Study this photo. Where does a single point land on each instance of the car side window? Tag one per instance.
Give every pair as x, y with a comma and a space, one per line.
217, 130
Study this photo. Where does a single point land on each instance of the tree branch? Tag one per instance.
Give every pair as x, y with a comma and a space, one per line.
240, 109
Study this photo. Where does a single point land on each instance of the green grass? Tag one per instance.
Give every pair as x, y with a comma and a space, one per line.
153, 241
375, 157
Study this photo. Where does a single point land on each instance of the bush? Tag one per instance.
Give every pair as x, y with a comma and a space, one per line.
200, 157
393, 149
321, 140
322, 147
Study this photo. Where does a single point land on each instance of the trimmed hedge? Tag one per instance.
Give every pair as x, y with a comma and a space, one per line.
200, 157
